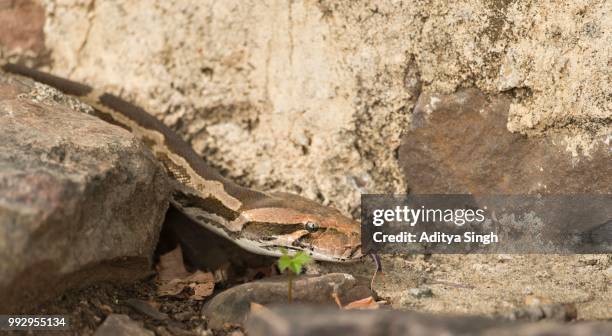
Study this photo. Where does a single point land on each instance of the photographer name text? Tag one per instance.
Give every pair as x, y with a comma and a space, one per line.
436, 237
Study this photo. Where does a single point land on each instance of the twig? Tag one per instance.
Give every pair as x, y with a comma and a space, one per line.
378, 268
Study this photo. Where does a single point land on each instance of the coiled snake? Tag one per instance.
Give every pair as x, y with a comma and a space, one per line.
259, 222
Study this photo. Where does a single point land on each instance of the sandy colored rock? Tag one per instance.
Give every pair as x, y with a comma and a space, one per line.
80, 200
332, 84
555, 312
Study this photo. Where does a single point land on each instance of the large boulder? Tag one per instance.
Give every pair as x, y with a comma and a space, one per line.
22, 28
80, 200
459, 143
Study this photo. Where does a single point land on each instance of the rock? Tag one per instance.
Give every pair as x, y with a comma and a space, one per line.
22, 26
176, 330
206, 332
121, 325
592, 260
183, 316
81, 200
421, 292
557, 329
461, 144
552, 311
316, 321
407, 298
145, 308
502, 258
233, 305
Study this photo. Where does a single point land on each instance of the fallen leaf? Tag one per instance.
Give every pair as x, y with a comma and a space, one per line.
171, 265
154, 304
256, 307
173, 277
106, 309
367, 303
203, 285
271, 317
170, 288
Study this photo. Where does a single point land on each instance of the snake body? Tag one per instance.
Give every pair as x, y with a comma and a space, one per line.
263, 223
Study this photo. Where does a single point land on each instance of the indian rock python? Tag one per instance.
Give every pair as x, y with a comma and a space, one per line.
259, 222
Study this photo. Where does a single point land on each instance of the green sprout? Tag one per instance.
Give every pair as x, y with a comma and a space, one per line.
294, 263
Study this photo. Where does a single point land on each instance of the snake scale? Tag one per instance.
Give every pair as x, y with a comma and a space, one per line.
263, 223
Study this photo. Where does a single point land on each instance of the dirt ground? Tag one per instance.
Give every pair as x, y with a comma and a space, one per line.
490, 285
495, 285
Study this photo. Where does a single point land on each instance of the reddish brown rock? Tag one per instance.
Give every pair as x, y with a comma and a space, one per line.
459, 143
22, 23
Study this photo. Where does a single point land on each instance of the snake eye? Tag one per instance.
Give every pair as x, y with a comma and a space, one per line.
311, 226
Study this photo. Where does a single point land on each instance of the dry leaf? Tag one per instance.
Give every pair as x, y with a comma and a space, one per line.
203, 284
256, 307
172, 287
171, 265
367, 303
173, 277
280, 324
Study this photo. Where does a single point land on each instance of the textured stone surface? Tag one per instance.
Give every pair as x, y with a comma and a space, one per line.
459, 144
233, 305
545, 329
121, 325
331, 84
289, 320
80, 200
555, 312
22, 25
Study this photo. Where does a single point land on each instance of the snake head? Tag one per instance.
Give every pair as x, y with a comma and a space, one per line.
295, 223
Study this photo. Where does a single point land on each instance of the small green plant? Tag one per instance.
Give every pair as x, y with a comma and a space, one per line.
294, 263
